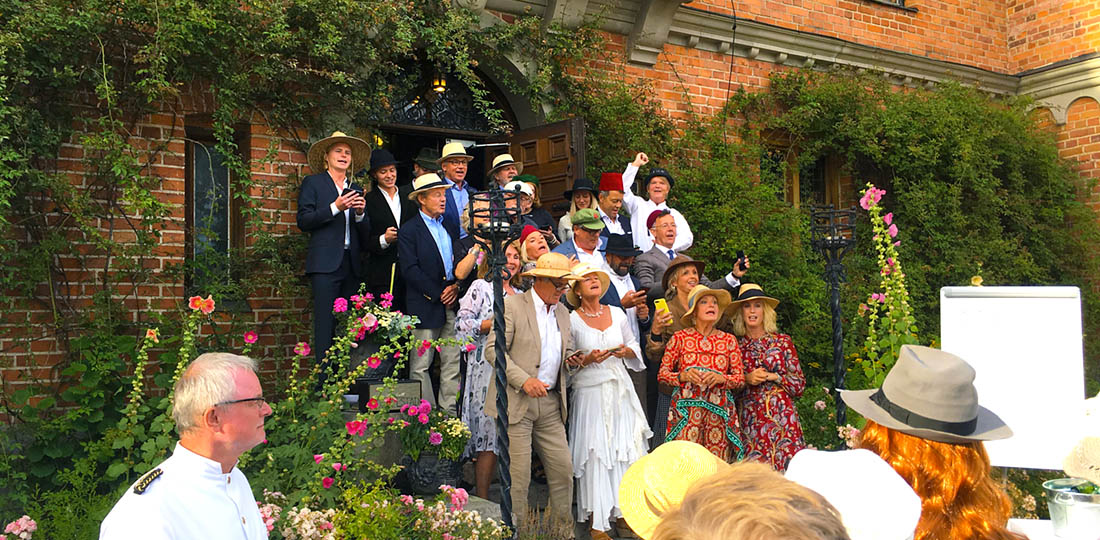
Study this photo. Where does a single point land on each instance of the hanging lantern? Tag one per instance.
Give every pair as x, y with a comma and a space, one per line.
439, 83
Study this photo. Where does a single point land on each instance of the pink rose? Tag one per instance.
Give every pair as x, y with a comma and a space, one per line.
250, 337
340, 305
327, 482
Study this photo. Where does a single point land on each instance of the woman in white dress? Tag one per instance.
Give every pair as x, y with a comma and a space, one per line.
475, 320
607, 426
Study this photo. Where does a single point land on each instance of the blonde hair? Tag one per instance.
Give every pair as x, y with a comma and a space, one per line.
737, 323
750, 501
207, 381
515, 280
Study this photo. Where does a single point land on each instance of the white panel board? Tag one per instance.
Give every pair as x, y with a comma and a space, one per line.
1025, 344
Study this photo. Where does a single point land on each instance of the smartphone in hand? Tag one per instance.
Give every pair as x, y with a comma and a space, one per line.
741, 261
350, 190
660, 305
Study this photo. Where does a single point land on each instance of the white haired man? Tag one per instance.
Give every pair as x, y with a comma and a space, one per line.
199, 492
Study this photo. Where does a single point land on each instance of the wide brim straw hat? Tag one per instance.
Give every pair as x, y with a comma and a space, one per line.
681, 260
454, 150
1084, 460
697, 293
750, 291
657, 482
929, 394
424, 183
874, 501
551, 265
360, 151
503, 161
581, 271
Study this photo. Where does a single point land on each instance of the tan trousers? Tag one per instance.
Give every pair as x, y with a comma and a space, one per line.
449, 364
542, 429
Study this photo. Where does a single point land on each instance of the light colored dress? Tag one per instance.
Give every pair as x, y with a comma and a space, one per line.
607, 426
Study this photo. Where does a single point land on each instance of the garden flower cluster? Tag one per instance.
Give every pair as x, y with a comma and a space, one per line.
22, 528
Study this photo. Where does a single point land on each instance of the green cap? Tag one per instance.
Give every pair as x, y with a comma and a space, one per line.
588, 218
529, 178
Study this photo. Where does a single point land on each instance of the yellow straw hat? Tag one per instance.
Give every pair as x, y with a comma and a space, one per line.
360, 151
581, 271
750, 291
700, 291
551, 265
454, 150
426, 182
657, 482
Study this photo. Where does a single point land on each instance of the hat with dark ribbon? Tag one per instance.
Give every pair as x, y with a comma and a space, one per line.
427, 159
454, 150
748, 291
580, 184
503, 161
621, 245
425, 183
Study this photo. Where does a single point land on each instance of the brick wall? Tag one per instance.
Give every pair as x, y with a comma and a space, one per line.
1079, 140
1041, 32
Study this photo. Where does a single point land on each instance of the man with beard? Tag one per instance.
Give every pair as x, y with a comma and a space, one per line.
627, 293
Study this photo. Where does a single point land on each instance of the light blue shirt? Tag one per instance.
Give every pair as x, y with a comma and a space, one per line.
462, 201
442, 242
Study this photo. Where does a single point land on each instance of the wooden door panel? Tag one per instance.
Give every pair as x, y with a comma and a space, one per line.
552, 152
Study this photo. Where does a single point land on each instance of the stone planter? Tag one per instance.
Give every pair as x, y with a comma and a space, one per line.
426, 474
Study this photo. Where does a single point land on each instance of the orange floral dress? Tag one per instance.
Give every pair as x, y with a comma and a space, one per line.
705, 416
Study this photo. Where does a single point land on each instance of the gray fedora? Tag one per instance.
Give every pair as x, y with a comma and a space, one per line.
929, 394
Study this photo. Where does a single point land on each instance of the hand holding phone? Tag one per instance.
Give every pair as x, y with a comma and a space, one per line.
660, 305
741, 261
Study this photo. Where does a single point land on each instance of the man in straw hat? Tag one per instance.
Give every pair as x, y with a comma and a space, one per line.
538, 346
331, 208
455, 163
504, 169
425, 251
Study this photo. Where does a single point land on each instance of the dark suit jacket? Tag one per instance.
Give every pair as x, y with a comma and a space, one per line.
650, 269
378, 211
423, 270
451, 213
611, 298
326, 231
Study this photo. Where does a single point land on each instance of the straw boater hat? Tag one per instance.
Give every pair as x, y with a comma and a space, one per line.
929, 394
1084, 460
503, 161
551, 265
454, 150
581, 271
424, 183
658, 481
698, 293
360, 151
680, 260
750, 291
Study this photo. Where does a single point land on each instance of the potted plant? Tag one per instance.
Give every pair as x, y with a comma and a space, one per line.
1074, 502
433, 440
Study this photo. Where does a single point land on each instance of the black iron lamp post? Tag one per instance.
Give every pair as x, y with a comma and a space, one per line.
832, 234
499, 228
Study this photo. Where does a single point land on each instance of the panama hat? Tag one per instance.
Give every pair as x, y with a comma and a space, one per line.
698, 292
551, 265
681, 260
580, 184
425, 183
657, 482
503, 161
454, 150
360, 150
929, 394
522, 187
874, 501
750, 291
581, 271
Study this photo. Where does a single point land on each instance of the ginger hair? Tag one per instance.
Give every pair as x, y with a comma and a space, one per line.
959, 499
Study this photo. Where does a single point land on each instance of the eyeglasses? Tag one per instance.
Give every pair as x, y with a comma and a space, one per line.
560, 284
259, 401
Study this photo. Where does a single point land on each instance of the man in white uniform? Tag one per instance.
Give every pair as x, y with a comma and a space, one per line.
198, 492
656, 186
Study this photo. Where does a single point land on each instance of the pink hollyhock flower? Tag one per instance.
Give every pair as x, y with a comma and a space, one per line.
195, 303
387, 296
470, 347
318, 457
359, 301
898, 243
207, 305
459, 497
385, 304
436, 438
339, 467
151, 334
389, 400
353, 426
372, 404
340, 305
888, 218
423, 418
397, 355
424, 345
327, 482
819, 405
413, 410
373, 362
302, 348
892, 231
889, 261
250, 337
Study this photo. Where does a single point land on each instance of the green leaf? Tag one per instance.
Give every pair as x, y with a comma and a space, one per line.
122, 442
43, 469
116, 469
20, 397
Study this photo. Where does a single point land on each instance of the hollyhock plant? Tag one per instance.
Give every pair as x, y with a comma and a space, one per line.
340, 305
317, 458
195, 303
372, 404
327, 482
373, 362
151, 335
250, 337
301, 349
437, 432
207, 306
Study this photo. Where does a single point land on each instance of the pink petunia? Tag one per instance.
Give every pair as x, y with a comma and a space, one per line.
423, 418
340, 305
436, 438
327, 482
370, 321
318, 457
892, 231
250, 337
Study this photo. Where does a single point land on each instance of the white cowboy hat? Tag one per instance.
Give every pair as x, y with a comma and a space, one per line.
454, 150
360, 150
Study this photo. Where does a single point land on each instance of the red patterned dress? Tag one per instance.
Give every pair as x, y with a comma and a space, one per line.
769, 419
705, 416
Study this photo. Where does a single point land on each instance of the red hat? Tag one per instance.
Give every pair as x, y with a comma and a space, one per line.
527, 230
649, 221
611, 181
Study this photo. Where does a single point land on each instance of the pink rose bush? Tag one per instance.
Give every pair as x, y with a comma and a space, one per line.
22, 528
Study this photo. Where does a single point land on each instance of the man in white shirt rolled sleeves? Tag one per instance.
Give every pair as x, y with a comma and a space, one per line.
656, 186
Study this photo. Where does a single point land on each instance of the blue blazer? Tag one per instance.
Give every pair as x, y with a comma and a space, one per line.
567, 248
450, 213
423, 270
326, 231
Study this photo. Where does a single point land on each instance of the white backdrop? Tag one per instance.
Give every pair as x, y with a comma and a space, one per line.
1025, 344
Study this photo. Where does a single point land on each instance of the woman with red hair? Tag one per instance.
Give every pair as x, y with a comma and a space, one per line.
926, 423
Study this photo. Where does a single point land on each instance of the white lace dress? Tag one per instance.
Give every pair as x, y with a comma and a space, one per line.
607, 426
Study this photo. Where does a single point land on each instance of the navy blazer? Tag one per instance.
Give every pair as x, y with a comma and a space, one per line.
326, 231
422, 267
381, 218
451, 212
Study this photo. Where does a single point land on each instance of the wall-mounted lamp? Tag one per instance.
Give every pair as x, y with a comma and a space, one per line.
439, 83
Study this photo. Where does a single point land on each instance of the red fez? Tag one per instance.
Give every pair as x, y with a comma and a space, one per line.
527, 230
611, 181
653, 217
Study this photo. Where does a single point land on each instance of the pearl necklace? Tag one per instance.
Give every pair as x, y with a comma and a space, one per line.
585, 312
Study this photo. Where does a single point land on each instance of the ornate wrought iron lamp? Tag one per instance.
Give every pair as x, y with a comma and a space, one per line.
832, 234
497, 227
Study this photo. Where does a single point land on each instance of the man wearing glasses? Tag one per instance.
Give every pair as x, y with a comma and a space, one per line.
199, 492
585, 244
538, 345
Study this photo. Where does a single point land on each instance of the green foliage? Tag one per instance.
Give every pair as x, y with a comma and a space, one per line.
375, 511
425, 426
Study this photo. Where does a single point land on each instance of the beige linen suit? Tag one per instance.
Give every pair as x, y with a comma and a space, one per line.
537, 423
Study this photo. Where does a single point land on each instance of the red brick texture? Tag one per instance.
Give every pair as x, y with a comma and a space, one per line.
1041, 32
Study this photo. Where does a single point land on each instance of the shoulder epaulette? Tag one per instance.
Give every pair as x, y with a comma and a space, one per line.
143, 483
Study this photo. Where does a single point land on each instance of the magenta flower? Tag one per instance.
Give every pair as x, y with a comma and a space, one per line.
318, 457
888, 218
250, 337
470, 347
391, 419
424, 345
396, 355
359, 301
385, 304
339, 467
356, 427
892, 231
373, 362
413, 411
340, 305
368, 297
436, 438
425, 407
387, 296
327, 482
423, 418
372, 404
898, 243
302, 348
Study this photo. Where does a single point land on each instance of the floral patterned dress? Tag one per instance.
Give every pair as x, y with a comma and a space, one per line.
769, 419
704, 416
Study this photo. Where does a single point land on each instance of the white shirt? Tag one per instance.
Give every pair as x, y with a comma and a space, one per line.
614, 226
550, 357
596, 258
395, 209
192, 499
640, 209
347, 222
623, 285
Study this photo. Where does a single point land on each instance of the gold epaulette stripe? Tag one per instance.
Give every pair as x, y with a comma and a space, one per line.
144, 482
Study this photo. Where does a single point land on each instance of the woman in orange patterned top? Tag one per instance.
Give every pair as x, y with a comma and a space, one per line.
704, 365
